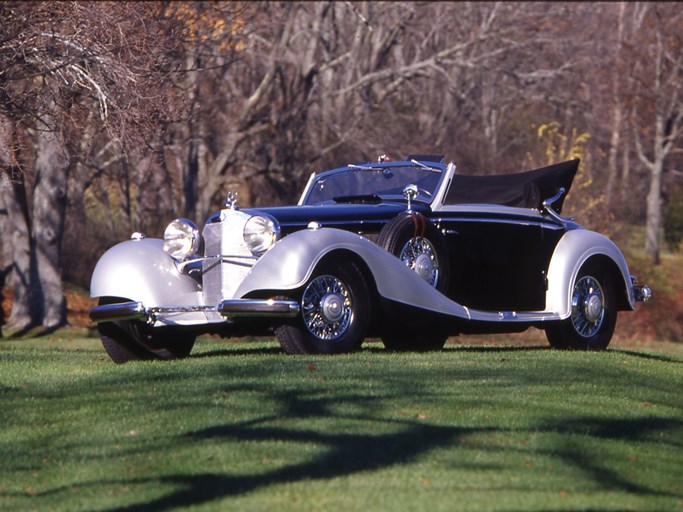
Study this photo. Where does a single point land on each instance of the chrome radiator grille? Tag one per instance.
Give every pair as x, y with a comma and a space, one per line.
222, 276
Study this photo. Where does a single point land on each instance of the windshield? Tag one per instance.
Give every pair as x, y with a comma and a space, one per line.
371, 184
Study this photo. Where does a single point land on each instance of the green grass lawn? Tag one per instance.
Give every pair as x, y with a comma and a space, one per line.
241, 426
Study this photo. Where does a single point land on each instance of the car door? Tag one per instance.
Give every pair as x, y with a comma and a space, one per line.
499, 258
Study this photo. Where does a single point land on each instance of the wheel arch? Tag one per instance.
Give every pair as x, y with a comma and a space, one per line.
615, 276
343, 254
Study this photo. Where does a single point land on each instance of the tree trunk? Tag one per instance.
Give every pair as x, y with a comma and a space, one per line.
49, 206
617, 116
654, 212
16, 236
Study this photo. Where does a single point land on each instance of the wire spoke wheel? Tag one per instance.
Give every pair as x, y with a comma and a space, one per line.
588, 306
420, 255
335, 312
327, 307
593, 316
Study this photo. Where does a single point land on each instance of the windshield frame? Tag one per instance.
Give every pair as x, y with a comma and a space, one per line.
396, 194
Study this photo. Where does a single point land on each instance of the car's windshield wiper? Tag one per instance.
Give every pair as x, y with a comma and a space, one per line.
425, 167
360, 199
362, 167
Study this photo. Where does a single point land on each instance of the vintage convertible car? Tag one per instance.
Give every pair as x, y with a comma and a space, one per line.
407, 251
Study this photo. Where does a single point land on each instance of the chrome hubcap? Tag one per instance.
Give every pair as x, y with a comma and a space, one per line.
419, 254
327, 308
588, 306
332, 307
593, 308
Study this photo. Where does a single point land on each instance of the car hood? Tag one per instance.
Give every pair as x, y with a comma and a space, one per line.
293, 217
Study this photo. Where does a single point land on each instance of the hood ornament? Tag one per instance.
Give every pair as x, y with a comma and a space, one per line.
231, 200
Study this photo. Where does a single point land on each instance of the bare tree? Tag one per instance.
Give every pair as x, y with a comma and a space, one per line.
312, 84
60, 61
657, 105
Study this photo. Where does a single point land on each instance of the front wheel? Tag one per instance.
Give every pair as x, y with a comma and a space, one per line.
335, 310
132, 340
594, 314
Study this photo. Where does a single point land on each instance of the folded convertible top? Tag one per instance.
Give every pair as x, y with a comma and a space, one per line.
523, 190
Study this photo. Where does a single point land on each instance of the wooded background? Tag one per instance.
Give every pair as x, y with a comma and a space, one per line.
117, 117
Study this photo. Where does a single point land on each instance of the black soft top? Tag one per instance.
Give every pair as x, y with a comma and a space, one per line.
523, 190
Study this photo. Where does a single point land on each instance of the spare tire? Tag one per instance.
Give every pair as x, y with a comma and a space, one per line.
420, 245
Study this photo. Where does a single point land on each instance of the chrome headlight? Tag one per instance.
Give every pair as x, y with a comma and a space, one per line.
260, 233
181, 239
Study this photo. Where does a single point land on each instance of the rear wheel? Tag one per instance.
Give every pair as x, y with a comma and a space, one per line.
335, 310
594, 314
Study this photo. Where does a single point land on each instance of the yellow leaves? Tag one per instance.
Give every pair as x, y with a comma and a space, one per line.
558, 145
216, 23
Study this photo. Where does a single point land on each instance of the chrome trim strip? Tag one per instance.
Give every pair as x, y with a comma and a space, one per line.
530, 221
513, 316
486, 208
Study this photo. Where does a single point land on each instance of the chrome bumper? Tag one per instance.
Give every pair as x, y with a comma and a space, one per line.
233, 308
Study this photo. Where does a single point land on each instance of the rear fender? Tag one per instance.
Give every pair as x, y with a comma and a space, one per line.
574, 249
292, 261
140, 270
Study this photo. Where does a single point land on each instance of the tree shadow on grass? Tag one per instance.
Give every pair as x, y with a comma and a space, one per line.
349, 453
346, 454
645, 355
237, 352
370, 349
378, 349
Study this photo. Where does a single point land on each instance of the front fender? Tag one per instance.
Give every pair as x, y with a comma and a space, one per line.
291, 262
575, 248
140, 270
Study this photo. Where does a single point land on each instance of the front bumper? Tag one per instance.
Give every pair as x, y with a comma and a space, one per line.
229, 309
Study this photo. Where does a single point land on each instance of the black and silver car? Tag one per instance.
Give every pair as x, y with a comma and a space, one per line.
407, 251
